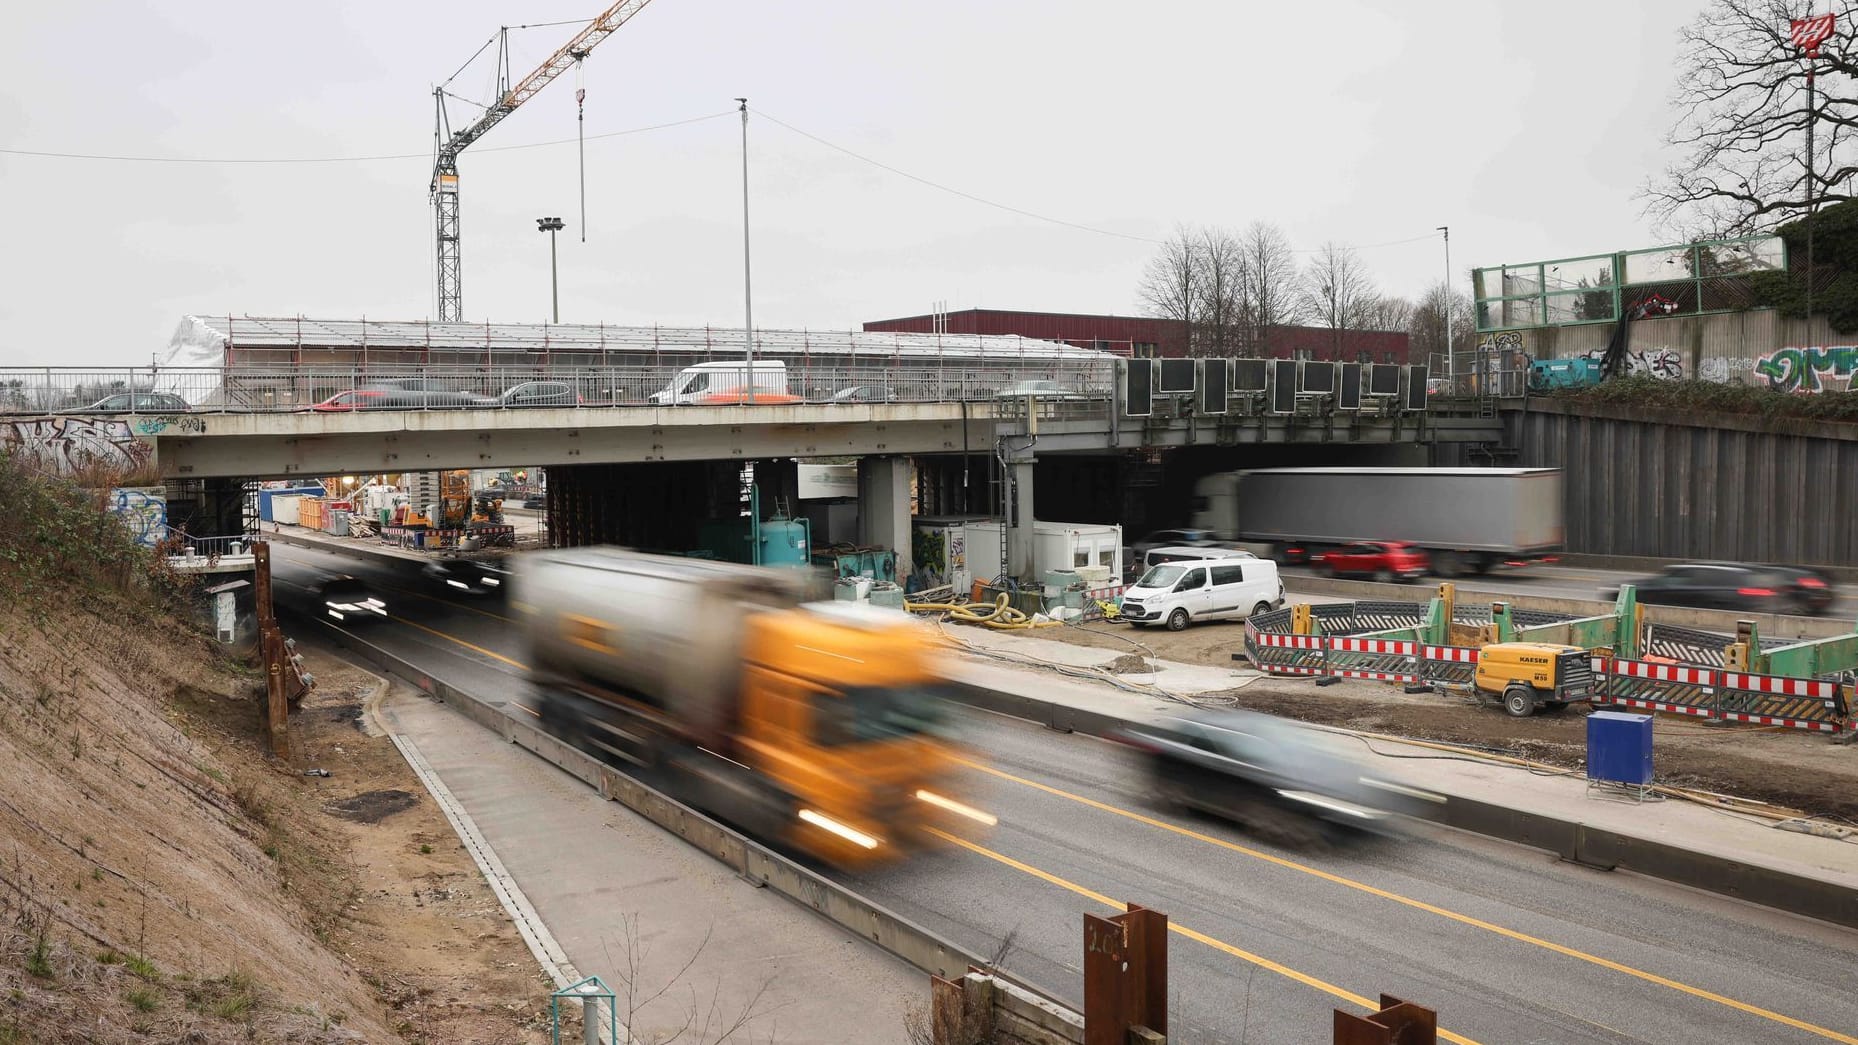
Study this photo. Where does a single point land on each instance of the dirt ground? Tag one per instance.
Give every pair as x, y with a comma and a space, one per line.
162, 880
421, 920
1790, 768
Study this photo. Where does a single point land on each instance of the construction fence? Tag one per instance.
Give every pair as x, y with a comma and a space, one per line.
1711, 693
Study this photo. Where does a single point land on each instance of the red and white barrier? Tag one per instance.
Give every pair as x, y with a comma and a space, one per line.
1450, 654
1639, 669
1781, 687
1395, 647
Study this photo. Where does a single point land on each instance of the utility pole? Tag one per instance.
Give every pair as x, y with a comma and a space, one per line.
1808, 34
748, 298
552, 226
1449, 371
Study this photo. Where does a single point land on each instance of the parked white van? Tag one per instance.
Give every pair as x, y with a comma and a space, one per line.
727, 382
1203, 589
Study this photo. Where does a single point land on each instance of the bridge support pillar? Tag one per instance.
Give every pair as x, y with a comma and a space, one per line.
1020, 518
884, 507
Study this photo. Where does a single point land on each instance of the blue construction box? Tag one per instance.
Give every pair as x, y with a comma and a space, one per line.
1619, 747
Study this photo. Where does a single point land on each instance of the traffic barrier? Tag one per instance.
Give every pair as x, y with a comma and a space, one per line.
1770, 700
1448, 665
1098, 602
1679, 689
1675, 688
1381, 660
1727, 696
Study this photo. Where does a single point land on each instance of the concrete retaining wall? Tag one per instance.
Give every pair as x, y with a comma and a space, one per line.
1742, 490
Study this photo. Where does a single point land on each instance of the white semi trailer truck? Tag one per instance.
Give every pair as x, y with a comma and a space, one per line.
1470, 520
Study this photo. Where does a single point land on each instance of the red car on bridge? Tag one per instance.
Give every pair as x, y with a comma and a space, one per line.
1381, 560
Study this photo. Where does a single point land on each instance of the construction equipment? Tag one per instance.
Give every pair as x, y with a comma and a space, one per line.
1530, 676
444, 186
487, 508
816, 726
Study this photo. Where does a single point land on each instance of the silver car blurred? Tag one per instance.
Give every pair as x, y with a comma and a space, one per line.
1280, 780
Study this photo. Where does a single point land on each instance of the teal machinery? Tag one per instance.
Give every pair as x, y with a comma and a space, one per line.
779, 541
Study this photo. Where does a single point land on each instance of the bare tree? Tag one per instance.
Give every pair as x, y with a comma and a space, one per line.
700, 1020
1337, 290
1743, 120
1386, 312
1171, 283
1221, 329
1427, 325
1271, 282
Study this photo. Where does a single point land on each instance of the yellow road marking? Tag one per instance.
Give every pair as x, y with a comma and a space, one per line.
467, 645
1421, 905
1198, 937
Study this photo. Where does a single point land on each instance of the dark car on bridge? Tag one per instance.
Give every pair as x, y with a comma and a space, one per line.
1734, 586
1278, 779
135, 403
1381, 560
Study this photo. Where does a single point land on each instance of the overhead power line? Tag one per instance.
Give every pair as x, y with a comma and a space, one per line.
1026, 213
427, 156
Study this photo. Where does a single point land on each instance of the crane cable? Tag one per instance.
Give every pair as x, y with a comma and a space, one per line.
580, 132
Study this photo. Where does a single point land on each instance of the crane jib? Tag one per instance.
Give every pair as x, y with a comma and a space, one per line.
445, 166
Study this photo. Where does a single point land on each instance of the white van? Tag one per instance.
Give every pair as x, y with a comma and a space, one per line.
726, 382
1203, 589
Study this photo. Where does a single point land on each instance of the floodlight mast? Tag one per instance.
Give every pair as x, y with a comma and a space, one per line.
444, 187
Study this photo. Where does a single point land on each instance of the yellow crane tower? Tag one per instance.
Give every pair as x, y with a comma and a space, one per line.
444, 187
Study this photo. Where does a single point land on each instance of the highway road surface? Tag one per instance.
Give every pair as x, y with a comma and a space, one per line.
1506, 943
1553, 582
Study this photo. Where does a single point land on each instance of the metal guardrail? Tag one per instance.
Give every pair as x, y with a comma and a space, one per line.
271, 389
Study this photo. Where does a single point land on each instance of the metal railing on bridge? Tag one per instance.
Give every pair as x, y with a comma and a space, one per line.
341, 389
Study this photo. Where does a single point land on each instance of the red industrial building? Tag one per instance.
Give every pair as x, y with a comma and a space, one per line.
1143, 336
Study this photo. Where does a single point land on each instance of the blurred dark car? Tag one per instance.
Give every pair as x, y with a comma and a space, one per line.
411, 393
1812, 591
535, 501
1276, 778
135, 403
863, 394
349, 599
1381, 560
540, 393
1731, 586
467, 577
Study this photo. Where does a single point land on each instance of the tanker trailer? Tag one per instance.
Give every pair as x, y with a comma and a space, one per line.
819, 726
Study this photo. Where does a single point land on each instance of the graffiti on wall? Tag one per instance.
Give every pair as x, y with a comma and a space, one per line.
1662, 363
143, 511
1727, 369
170, 422
64, 445
1809, 369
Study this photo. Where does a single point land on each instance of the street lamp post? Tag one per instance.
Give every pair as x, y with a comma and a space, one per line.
1808, 34
552, 226
1449, 365
748, 301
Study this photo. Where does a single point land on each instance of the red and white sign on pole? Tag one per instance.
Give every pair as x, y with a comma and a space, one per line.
1809, 33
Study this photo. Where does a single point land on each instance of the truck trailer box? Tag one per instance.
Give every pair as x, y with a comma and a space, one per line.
1500, 511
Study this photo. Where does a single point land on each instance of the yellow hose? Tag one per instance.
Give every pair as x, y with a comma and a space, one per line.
999, 614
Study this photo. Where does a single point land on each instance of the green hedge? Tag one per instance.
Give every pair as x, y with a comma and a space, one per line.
1710, 397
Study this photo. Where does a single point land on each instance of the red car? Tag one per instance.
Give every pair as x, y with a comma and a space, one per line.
355, 399
1381, 560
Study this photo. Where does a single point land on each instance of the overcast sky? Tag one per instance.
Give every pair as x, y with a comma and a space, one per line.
1527, 128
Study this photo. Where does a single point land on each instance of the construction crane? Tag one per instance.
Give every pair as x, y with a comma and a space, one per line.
444, 187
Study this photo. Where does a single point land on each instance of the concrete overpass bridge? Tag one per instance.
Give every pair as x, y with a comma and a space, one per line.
245, 423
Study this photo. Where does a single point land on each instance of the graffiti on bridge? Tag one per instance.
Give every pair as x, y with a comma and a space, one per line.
164, 422
1809, 369
64, 445
143, 511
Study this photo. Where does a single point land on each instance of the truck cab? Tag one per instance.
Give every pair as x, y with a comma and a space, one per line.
1530, 676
